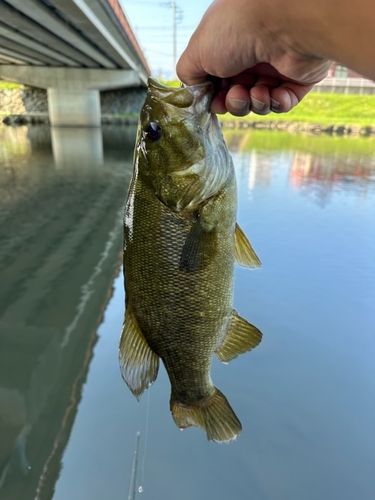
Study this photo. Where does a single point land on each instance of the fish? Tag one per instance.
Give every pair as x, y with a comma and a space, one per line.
181, 241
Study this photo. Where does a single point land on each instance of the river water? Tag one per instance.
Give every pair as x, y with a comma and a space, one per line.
305, 396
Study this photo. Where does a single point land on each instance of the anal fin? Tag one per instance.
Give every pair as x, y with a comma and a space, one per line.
139, 365
244, 253
241, 337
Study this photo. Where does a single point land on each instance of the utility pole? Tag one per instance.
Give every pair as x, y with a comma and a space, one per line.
176, 17
174, 8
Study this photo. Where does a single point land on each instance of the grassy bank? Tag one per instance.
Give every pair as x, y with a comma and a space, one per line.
322, 109
264, 140
325, 109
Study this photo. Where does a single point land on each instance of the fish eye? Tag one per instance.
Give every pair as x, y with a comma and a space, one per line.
154, 132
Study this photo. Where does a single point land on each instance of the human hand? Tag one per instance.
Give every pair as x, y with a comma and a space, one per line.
259, 66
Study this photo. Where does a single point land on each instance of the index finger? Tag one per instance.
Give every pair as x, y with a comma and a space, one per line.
188, 69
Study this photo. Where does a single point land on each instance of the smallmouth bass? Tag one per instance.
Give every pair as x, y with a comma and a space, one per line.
181, 241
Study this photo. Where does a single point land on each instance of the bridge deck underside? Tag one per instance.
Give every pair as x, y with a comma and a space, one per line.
71, 33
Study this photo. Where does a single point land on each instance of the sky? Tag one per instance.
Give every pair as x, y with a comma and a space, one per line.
152, 23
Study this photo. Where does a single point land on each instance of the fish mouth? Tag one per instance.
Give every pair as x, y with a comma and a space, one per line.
155, 83
197, 97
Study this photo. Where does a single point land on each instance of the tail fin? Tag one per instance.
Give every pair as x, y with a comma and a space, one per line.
213, 414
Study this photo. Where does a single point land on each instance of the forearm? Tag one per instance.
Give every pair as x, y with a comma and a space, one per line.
341, 30
270, 53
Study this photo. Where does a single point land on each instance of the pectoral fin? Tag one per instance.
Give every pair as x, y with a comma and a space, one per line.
199, 248
243, 251
242, 337
139, 365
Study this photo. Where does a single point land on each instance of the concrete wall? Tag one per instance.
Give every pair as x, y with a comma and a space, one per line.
32, 100
347, 85
23, 101
114, 102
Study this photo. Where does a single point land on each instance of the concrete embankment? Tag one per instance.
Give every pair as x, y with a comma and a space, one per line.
297, 127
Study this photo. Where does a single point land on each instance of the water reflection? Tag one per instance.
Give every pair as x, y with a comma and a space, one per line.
309, 380
320, 177
80, 146
317, 166
60, 250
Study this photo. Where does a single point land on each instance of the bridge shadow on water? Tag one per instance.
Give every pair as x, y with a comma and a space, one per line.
62, 194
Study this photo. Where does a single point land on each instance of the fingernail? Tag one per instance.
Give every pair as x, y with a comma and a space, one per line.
238, 104
274, 104
257, 105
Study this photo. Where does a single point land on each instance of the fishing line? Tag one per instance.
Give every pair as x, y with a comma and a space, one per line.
140, 489
133, 478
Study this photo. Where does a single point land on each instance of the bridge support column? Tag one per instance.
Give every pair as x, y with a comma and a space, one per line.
74, 107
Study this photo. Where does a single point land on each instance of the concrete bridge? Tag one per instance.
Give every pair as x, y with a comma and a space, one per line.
72, 48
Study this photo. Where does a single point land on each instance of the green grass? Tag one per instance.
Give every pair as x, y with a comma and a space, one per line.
321, 109
9, 85
324, 109
284, 141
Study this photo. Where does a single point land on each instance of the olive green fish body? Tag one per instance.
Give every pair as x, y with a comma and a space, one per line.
180, 244
184, 316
